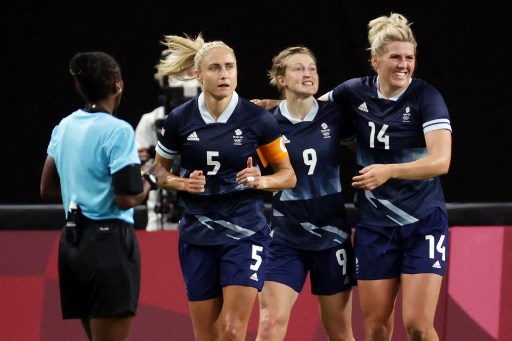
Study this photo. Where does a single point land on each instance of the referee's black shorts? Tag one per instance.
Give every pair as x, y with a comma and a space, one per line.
100, 275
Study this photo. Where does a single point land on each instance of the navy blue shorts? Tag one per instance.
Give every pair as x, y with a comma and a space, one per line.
331, 270
208, 268
387, 252
100, 275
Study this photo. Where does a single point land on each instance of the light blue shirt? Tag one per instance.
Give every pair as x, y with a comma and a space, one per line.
88, 148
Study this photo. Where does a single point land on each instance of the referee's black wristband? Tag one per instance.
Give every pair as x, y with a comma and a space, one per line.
151, 179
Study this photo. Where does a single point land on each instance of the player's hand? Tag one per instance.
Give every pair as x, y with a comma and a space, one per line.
372, 177
195, 182
250, 176
145, 154
266, 103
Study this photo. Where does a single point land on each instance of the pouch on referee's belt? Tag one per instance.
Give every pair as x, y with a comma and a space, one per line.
71, 230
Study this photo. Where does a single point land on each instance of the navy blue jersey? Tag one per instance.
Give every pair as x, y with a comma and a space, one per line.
391, 131
311, 216
226, 209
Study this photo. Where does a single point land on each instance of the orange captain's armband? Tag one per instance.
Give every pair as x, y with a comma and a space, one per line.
272, 152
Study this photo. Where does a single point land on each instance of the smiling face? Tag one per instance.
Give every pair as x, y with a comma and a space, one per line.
395, 67
300, 77
217, 73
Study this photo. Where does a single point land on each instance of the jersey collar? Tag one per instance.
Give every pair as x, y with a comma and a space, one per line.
310, 116
394, 98
226, 114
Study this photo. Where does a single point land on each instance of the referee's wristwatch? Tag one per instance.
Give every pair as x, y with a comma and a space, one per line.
151, 179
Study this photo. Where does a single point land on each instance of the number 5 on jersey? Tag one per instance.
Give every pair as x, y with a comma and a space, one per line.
211, 162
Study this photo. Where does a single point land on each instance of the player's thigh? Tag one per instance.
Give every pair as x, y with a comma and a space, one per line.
420, 295
276, 301
204, 315
377, 297
238, 301
336, 310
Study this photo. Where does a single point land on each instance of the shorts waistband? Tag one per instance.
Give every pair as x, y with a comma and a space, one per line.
85, 221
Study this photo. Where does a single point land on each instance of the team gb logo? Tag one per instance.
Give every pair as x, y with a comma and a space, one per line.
238, 138
407, 115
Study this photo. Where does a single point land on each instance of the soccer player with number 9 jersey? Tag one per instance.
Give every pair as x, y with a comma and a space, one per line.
310, 232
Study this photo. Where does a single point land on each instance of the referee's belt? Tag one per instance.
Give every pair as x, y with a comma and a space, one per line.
85, 222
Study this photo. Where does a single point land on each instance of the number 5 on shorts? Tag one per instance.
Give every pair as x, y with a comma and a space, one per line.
256, 257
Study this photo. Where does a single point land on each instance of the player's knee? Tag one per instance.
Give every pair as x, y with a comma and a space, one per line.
341, 336
378, 332
232, 330
419, 331
271, 325
230, 334
416, 334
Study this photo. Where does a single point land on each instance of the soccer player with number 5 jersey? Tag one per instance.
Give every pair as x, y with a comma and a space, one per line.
222, 140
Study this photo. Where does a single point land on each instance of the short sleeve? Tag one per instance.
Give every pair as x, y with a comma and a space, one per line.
120, 148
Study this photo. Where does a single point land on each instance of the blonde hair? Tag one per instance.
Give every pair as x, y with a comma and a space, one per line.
385, 30
279, 64
184, 53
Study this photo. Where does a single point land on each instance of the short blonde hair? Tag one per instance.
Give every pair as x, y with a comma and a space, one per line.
385, 30
186, 53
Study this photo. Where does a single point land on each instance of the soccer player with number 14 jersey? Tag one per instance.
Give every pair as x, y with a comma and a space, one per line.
404, 145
